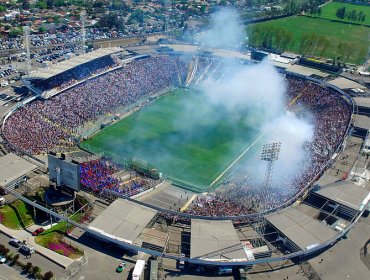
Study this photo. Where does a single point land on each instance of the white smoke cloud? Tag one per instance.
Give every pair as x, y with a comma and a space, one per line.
225, 31
261, 89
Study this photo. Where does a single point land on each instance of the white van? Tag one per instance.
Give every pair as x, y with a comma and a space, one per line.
366, 147
4, 83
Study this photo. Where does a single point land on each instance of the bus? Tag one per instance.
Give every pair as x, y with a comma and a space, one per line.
138, 272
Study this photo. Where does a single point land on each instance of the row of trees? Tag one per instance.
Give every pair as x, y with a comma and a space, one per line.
274, 38
299, 6
269, 37
28, 267
353, 15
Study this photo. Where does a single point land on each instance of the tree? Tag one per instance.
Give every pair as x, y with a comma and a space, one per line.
28, 267
36, 270
25, 5
15, 32
16, 257
111, 20
341, 13
48, 275
2, 9
352, 15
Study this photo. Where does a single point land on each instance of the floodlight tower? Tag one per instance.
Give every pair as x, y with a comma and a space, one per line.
26, 45
270, 153
83, 31
168, 10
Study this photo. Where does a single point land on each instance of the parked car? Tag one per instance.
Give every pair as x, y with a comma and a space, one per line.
38, 231
15, 242
27, 250
121, 267
2, 259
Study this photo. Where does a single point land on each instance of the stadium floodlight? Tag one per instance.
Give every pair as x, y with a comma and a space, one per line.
83, 31
26, 44
270, 153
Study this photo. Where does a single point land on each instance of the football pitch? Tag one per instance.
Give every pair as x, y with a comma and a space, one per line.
181, 139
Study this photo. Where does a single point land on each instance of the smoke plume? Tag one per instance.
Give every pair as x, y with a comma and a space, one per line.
260, 91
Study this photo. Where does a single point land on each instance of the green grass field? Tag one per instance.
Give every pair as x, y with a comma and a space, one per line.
335, 32
328, 11
192, 149
16, 215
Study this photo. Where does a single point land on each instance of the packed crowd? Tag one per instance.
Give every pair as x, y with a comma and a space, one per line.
58, 116
99, 175
96, 175
331, 116
43, 125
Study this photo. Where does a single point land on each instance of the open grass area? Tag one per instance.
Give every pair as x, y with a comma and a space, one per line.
53, 239
329, 10
16, 215
168, 137
335, 32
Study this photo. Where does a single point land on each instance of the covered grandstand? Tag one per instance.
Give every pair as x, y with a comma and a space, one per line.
47, 81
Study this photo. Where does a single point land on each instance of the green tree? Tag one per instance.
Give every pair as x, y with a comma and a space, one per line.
41, 4
28, 267
15, 32
2, 8
15, 257
36, 270
48, 275
341, 13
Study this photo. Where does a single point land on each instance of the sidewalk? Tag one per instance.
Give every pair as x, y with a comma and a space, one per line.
50, 255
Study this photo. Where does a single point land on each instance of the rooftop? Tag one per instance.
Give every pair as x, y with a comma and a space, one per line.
55, 69
13, 167
299, 228
123, 220
346, 193
216, 240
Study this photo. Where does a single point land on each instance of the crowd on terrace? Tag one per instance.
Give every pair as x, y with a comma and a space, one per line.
331, 116
46, 124
99, 175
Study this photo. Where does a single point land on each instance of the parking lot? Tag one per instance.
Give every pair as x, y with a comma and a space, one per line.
35, 259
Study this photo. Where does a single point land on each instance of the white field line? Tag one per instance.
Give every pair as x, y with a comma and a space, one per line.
237, 159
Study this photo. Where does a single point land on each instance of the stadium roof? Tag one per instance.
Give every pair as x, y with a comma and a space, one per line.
123, 220
361, 121
13, 167
216, 240
362, 101
346, 193
55, 69
326, 179
299, 228
344, 83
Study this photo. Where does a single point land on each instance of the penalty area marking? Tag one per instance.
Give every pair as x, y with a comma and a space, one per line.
237, 159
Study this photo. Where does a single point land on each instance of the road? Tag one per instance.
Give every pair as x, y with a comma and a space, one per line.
102, 260
8, 273
35, 259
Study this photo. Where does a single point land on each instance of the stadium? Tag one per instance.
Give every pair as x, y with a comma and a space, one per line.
146, 112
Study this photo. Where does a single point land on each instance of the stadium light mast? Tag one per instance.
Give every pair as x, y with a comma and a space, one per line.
83, 30
168, 8
270, 153
26, 44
